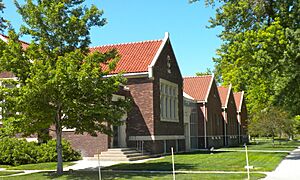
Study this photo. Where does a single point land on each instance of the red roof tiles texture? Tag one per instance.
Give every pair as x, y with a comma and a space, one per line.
223, 92
24, 44
238, 99
197, 87
135, 57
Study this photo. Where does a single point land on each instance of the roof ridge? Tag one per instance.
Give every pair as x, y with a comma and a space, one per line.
190, 77
126, 43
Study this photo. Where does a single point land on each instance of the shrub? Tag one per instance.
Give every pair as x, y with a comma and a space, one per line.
15, 151
47, 152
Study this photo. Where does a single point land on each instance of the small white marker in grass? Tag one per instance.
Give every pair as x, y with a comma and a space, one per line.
173, 164
247, 162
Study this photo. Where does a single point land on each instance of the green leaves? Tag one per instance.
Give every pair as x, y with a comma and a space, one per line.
2, 20
62, 26
59, 80
271, 121
260, 53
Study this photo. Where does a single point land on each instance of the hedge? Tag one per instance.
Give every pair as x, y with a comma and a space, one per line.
15, 152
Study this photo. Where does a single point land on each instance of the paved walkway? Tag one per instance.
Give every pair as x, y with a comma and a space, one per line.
288, 169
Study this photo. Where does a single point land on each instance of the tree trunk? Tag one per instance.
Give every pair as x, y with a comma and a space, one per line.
58, 129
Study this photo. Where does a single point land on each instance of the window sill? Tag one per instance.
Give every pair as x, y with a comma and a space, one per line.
169, 120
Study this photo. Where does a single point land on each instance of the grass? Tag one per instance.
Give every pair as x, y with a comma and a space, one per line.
6, 173
204, 161
266, 144
84, 175
39, 166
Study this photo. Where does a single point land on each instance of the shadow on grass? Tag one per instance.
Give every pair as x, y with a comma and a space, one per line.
155, 166
91, 175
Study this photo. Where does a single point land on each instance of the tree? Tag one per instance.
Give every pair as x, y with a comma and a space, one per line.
297, 124
260, 50
207, 72
60, 83
271, 121
2, 21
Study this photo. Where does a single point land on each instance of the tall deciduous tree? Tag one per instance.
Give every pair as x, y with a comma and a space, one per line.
260, 50
60, 83
2, 21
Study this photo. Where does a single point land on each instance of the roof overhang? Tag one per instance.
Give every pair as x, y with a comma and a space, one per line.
241, 103
131, 75
228, 95
150, 67
3, 38
209, 87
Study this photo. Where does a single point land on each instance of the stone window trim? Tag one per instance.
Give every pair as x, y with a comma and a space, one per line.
168, 101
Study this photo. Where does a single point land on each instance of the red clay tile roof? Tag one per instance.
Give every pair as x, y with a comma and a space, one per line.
24, 44
223, 92
135, 57
197, 87
6, 75
238, 98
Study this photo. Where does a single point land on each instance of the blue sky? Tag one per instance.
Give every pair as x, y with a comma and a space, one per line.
137, 20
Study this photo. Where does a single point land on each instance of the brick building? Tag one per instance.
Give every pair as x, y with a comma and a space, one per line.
155, 122
229, 115
242, 117
207, 106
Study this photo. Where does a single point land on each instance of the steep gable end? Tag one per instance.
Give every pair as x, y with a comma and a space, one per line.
198, 87
238, 97
224, 93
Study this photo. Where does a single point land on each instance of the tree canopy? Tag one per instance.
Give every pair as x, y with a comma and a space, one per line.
2, 21
60, 83
271, 121
260, 53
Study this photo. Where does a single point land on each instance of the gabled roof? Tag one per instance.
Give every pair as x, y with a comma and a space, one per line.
198, 87
5, 39
238, 98
224, 93
136, 57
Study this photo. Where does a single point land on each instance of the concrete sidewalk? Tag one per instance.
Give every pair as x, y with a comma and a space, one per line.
88, 165
288, 169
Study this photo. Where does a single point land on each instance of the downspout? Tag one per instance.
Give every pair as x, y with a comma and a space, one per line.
205, 131
225, 129
239, 119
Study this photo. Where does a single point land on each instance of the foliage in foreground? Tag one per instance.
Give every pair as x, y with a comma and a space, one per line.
17, 152
260, 50
60, 82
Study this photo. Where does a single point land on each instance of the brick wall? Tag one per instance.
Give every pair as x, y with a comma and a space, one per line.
215, 124
161, 71
232, 125
140, 118
86, 144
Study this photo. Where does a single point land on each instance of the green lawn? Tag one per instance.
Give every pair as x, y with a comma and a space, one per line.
266, 144
39, 166
78, 175
5, 173
203, 161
